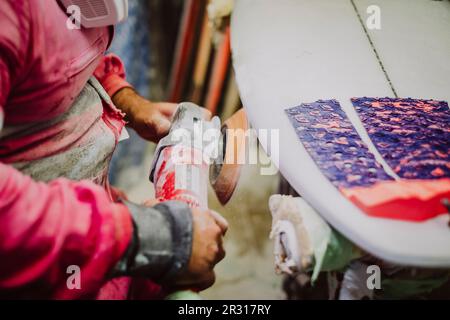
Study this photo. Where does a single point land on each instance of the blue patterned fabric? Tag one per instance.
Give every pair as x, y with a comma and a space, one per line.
132, 44
334, 144
412, 135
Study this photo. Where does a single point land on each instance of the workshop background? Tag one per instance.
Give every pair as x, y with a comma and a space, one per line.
179, 50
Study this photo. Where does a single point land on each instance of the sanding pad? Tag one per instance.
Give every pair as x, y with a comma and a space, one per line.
224, 176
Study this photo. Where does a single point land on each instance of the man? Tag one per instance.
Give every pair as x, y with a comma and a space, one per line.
63, 105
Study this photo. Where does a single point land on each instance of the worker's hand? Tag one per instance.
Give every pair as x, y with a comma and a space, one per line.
207, 250
151, 120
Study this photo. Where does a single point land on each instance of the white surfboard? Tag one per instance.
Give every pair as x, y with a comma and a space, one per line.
287, 52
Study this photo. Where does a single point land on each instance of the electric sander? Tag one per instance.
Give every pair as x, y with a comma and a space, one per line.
197, 149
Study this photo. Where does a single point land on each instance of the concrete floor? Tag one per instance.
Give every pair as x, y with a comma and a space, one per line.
247, 272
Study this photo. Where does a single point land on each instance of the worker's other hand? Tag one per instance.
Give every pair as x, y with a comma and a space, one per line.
151, 120
207, 250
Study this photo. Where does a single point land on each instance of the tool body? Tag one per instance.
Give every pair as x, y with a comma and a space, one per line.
182, 161
195, 151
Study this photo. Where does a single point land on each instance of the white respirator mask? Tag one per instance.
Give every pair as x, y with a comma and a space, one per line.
97, 13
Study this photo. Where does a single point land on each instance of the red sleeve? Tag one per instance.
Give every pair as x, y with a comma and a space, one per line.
111, 74
45, 228
14, 39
